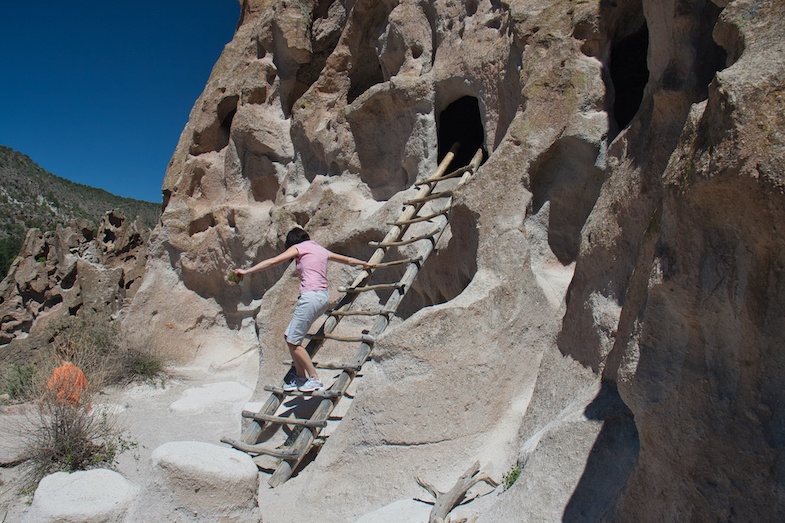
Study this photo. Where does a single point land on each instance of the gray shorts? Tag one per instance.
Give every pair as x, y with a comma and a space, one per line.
310, 305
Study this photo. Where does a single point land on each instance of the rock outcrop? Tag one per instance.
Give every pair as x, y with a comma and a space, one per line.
75, 268
605, 310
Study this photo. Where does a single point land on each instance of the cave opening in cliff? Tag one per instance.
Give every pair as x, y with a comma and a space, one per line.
461, 122
629, 73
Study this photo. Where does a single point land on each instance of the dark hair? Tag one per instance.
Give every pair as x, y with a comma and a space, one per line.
295, 236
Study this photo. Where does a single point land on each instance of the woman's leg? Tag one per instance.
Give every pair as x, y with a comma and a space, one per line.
302, 362
310, 305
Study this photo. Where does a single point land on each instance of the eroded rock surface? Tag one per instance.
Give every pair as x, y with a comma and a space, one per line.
75, 268
606, 307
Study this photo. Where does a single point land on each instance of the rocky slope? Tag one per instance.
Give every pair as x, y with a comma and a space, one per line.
74, 269
606, 310
31, 197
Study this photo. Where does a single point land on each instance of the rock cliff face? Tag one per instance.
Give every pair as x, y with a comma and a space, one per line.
606, 309
75, 268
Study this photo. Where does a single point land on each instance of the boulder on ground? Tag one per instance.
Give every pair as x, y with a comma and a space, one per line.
197, 481
98, 496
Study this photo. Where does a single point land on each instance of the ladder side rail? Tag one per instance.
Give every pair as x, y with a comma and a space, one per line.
303, 442
254, 430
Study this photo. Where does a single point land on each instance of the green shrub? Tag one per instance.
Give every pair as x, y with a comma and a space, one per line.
144, 365
16, 380
70, 438
509, 478
9, 250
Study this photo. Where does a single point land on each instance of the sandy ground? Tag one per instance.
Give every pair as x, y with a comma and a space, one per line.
190, 404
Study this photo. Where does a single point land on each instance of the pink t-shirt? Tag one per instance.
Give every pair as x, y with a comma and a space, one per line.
312, 266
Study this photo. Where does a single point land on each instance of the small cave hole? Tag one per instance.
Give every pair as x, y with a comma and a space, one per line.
166, 195
69, 279
417, 51
629, 73
52, 301
215, 136
365, 75
461, 122
114, 219
109, 237
201, 224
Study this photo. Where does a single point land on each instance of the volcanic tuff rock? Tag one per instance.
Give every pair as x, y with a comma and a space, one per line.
72, 269
31, 198
606, 309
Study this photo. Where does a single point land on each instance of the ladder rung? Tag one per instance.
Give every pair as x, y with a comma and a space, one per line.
428, 198
366, 288
259, 449
321, 393
454, 174
419, 218
348, 367
312, 424
428, 236
416, 259
380, 312
276, 453
367, 338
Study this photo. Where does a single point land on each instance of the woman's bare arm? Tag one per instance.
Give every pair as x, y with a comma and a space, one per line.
289, 254
340, 258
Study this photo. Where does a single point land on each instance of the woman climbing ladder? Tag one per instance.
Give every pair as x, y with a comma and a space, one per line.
312, 261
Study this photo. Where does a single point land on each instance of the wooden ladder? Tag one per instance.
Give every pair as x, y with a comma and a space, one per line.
291, 456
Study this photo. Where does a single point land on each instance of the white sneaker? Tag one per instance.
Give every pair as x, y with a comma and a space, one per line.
293, 384
311, 385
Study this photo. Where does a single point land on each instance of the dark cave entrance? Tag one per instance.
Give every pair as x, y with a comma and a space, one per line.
629, 73
461, 122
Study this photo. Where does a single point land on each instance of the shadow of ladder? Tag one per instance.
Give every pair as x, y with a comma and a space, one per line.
292, 456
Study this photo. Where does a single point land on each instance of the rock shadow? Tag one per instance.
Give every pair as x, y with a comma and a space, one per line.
386, 126
611, 460
369, 19
449, 270
567, 177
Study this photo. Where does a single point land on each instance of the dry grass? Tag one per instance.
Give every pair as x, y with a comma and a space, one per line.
63, 437
70, 438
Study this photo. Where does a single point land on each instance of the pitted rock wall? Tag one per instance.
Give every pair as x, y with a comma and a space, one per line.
606, 304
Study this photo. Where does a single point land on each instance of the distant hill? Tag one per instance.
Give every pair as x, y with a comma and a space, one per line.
31, 197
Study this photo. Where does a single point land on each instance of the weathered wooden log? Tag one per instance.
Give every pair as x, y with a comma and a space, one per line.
428, 198
420, 218
310, 423
369, 288
446, 501
413, 239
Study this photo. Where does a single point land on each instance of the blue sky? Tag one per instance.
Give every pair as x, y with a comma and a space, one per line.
98, 91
